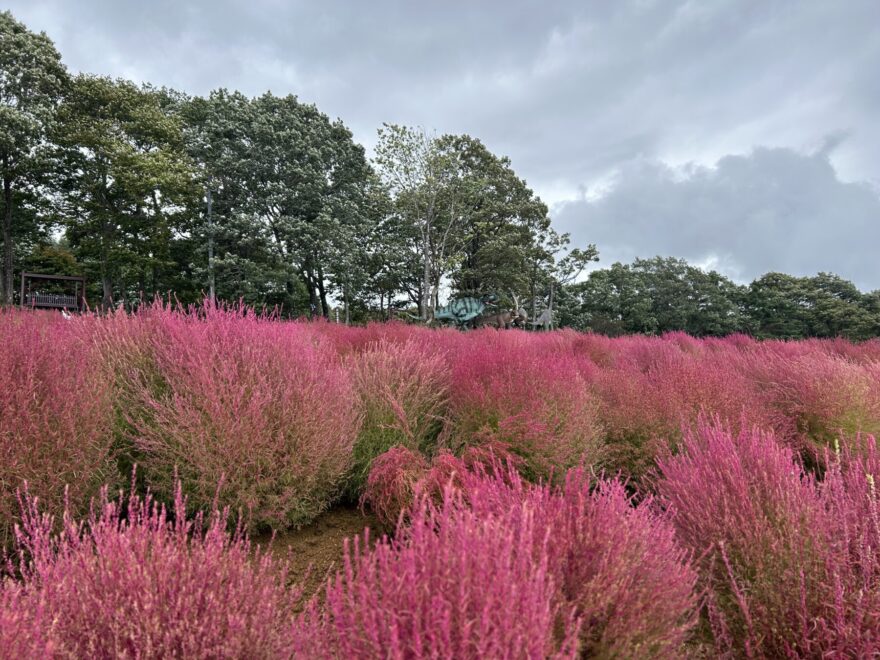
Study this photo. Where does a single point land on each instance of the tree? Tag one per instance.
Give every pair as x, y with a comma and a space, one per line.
656, 295
500, 219
307, 182
128, 184
468, 216
686, 298
419, 177
552, 268
32, 80
787, 307
233, 251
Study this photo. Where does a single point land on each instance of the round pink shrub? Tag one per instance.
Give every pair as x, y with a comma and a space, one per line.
130, 582
790, 565
392, 483
402, 389
617, 564
401, 476
660, 387
56, 413
450, 585
823, 396
507, 390
257, 405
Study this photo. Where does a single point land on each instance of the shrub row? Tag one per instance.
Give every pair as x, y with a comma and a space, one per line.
289, 416
777, 561
494, 568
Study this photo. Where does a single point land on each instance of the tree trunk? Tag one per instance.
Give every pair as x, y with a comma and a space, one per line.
435, 296
7, 284
550, 308
313, 296
106, 279
424, 299
211, 291
325, 308
107, 291
534, 302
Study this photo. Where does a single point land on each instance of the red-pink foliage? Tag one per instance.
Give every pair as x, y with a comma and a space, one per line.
402, 390
658, 387
56, 425
791, 565
612, 573
512, 390
392, 483
618, 564
450, 585
130, 582
258, 404
820, 394
23, 624
400, 476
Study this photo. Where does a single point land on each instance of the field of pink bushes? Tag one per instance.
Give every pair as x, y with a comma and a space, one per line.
544, 494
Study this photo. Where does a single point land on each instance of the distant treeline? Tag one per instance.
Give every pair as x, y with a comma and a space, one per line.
663, 294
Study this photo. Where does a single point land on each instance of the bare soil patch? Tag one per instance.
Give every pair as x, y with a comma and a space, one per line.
316, 551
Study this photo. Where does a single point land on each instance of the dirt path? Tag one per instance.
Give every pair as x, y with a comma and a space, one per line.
319, 546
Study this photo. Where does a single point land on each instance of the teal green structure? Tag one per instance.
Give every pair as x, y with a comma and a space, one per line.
462, 311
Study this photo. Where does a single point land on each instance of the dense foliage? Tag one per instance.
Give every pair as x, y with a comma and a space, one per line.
137, 580
740, 514
661, 295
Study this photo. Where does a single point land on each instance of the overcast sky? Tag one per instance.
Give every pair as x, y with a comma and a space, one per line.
742, 135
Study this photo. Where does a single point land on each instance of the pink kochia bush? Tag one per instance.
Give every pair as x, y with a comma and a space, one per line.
517, 561
790, 564
823, 396
400, 476
618, 564
136, 581
257, 405
451, 584
55, 413
657, 387
512, 391
402, 390
393, 483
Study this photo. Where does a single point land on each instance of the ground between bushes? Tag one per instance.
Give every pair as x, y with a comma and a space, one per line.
315, 552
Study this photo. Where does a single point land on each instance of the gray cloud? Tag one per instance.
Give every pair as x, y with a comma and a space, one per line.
575, 93
770, 210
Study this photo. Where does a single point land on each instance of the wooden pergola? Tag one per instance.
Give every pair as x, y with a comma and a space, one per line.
32, 297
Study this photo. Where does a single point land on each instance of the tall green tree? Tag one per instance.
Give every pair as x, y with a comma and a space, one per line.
233, 253
128, 184
420, 177
787, 307
500, 219
654, 296
308, 182
32, 81
471, 221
